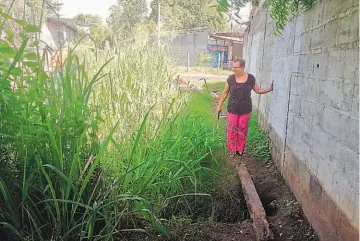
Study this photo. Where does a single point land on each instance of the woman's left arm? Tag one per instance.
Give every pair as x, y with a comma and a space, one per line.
259, 90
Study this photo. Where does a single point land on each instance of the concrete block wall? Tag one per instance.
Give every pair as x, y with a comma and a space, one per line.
194, 43
313, 112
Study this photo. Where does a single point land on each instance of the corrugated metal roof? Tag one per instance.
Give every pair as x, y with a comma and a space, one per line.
214, 36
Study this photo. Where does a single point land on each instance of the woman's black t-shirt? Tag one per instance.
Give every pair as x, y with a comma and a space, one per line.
240, 95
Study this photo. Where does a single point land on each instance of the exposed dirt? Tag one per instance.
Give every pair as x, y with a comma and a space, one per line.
212, 231
232, 221
205, 231
284, 213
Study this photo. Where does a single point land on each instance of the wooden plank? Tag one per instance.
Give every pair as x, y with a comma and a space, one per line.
257, 212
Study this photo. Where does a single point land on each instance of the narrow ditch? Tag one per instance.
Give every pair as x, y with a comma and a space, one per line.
231, 206
268, 201
284, 214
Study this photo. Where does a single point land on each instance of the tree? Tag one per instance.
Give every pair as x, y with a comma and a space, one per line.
143, 30
98, 31
125, 16
34, 12
30, 10
187, 14
88, 20
281, 11
232, 6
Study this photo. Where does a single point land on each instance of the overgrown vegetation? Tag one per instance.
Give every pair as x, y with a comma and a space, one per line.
258, 143
281, 11
185, 15
97, 147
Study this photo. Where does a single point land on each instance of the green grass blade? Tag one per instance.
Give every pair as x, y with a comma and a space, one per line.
17, 56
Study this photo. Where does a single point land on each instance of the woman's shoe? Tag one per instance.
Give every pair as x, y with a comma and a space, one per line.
232, 154
239, 153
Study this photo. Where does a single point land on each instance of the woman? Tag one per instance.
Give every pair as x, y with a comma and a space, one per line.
239, 106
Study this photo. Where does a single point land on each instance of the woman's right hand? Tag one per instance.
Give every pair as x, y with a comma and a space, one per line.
218, 109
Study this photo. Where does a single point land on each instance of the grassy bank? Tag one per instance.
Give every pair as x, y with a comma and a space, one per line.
98, 147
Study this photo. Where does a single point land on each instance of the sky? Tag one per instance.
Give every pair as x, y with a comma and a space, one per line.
70, 8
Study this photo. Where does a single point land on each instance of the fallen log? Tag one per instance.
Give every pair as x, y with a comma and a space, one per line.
253, 202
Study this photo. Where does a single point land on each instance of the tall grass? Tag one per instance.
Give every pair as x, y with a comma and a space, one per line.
97, 148
137, 79
258, 143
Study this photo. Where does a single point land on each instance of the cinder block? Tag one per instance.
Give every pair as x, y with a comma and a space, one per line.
345, 162
299, 25
306, 41
345, 230
325, 231
330, 32
326, 92
345, 197
315, 191
348, 31
329, 210
312, 112
289, 47
356, 211
295, 105
320, 65
325, 175
355, 104
307, 134
342, 127
351, 71
345, 6
320, 142
306, 65
304, 178
335, 65
299, 148
297, 130
351, 134
297, 86
276, 64
332, 122
314, 161
314, 89
281, 103
318, 39
295, 62
342, 97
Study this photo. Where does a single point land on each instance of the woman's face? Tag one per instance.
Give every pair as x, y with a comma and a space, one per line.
237, 68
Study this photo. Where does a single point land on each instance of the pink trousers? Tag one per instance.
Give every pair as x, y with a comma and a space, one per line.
237, 129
